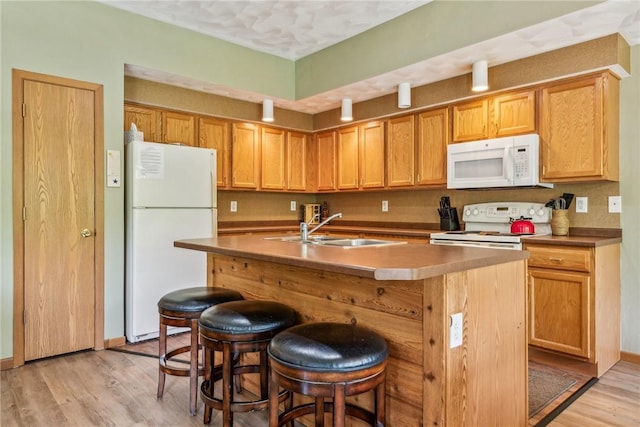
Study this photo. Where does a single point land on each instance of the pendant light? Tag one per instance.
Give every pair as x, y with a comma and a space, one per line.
347, 113
404, 95
267, 110
480, 76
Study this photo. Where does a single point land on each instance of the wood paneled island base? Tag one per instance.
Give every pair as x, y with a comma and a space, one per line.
482, 382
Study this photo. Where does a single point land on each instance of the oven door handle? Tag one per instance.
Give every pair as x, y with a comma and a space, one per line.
486, 245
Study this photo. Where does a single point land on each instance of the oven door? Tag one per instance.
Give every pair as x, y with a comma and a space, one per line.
480, 164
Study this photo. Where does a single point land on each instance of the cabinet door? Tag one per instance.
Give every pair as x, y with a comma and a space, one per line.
326, 160
178, 128
214, 133
513, 114
571, 130
245, 156
559, 311
400, 152
296, 161
433, 137
470, 121
348, 152
273, 159
147, 120
371, 146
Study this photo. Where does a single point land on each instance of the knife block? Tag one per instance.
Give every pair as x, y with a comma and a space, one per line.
451, 223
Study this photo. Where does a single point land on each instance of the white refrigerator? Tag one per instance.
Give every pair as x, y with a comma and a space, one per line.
170, 195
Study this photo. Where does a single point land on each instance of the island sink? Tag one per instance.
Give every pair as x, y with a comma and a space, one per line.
337, 241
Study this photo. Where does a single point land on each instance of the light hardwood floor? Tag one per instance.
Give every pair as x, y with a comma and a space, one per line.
109, 388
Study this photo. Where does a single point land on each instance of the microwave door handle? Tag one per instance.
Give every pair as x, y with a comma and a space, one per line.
509, 160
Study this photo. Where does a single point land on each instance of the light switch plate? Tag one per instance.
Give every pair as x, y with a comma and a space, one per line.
385, 206
455, 331
233, 206
292, 207
582, 204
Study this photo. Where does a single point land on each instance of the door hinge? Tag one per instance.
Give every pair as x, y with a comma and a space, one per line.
24, 110
24, 317
24, 213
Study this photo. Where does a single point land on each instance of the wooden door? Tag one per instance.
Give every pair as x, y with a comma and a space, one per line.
58, 163
400, 152
214, 133
513, 114
372, 155
470, 121
272, 159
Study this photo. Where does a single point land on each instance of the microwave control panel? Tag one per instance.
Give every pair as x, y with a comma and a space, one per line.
521, 163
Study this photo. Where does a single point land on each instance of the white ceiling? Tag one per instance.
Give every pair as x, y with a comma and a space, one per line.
293, 29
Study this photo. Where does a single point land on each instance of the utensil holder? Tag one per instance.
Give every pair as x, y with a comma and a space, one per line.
559, 222
451, 222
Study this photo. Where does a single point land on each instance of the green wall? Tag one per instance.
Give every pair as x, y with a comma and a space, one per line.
92, 42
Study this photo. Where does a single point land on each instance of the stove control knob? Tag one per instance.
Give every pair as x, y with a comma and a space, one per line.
532, 211
467, 212
541, 212
475, 211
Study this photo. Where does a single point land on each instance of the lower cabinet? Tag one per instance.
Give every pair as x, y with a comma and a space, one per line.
574, 302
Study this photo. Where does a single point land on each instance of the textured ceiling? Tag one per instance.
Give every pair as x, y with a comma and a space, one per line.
294, 29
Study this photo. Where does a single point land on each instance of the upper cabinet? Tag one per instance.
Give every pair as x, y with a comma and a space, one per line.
325, 161
433, 137
401, 152
297, 158
147, 120
245, 156
503, 115
214, 133
178, 128
361, 156
161, 125
273, 159
579, 125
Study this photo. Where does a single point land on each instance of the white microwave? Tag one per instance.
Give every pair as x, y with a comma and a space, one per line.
501, 162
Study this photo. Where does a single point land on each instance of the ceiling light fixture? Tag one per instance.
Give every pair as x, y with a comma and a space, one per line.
347, 112
267, 110
480, 76
404, 95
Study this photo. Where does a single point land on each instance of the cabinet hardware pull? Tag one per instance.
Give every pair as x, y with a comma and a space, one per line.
555, 259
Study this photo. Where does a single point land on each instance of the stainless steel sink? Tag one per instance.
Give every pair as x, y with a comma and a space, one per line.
356, 243
337, 241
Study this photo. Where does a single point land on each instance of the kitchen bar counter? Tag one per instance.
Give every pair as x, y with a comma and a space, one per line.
407, 293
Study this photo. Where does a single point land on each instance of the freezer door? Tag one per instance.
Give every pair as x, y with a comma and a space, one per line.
165, 175
155, 267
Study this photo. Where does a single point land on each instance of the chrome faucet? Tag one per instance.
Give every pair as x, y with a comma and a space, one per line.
304, 226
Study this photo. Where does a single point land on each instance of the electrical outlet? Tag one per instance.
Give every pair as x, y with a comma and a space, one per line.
293, 206
233, 206
582, 205
455, 331
385, 206
615, 204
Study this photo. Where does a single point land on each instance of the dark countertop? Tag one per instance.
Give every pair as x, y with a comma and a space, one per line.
406, 261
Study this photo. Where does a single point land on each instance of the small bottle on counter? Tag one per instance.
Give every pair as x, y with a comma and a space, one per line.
325, 211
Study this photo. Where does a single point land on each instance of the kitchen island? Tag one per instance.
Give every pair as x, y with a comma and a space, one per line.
407, 293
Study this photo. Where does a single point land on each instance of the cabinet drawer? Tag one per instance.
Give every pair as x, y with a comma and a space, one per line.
561, 258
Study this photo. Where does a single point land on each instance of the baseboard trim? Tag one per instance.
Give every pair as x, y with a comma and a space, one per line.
6, 363
630, 357
115, 342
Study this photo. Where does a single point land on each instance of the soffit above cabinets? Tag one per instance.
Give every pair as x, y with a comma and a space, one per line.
261, 25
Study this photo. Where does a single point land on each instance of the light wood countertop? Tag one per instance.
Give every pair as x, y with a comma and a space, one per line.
407, 261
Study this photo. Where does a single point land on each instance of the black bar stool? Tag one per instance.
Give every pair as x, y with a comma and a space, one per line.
328, 360
183, 308
234, 328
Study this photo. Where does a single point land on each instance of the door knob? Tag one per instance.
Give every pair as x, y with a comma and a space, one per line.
85, 233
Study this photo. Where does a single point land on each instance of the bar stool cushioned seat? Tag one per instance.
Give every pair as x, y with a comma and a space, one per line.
234, 328
332, 360
182, 308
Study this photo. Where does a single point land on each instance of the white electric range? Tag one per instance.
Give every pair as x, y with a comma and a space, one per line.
488, 225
